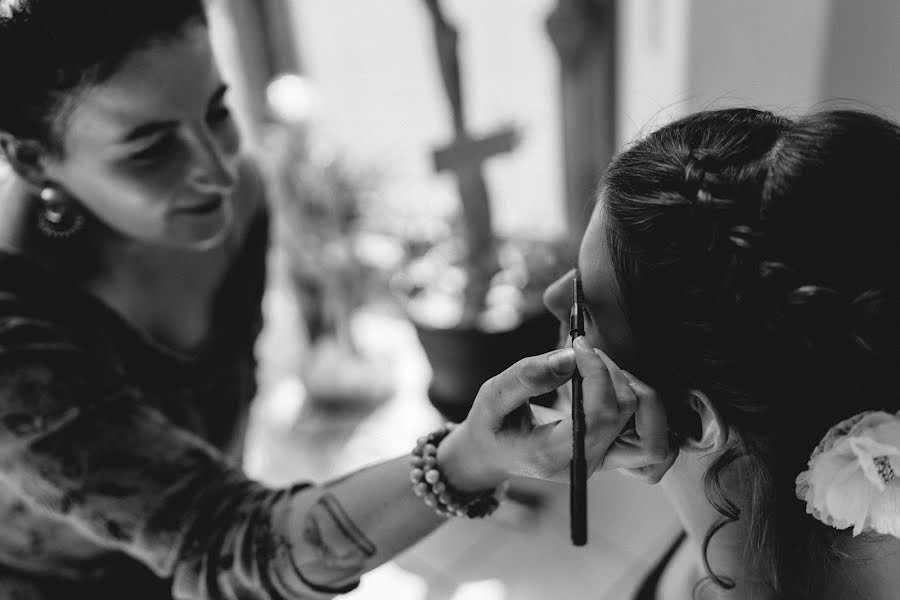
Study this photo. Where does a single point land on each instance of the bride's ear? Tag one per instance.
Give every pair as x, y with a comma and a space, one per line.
713, 431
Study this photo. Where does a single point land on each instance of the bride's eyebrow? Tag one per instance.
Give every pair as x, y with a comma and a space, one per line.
581, 271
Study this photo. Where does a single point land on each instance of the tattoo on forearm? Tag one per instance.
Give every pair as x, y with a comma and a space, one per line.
335, 549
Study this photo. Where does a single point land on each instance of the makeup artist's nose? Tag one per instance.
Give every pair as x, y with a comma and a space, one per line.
214, 169
558, 297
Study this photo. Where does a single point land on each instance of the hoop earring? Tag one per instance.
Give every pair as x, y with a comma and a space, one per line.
59, 218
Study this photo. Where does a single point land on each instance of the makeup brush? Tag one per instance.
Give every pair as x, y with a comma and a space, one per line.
578, 466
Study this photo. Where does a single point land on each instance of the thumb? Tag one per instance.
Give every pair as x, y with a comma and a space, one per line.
529, 377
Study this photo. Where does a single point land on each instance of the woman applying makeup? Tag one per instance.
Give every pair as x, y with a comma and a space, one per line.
133, 234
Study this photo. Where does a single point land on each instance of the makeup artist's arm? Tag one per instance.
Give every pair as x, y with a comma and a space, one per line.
345, 528
338, 531
342, 529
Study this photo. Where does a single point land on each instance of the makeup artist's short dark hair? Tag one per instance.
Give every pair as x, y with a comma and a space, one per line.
50, 49
759, 261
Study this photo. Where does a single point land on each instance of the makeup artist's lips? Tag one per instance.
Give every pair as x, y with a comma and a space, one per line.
201, 208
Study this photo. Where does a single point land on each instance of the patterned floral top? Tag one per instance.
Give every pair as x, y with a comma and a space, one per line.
119, 472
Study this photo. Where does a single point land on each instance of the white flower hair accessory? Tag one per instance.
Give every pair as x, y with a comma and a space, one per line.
852, 480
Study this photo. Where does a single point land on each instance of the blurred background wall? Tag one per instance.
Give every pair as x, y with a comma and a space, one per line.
383, 101
374, 95
678, 56
380, 100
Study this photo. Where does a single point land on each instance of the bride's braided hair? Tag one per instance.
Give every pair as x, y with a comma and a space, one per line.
787, 298
759, 260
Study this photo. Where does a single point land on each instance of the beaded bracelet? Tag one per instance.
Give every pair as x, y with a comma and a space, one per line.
430, 485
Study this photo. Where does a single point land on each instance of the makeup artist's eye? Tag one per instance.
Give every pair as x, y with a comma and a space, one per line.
155, 151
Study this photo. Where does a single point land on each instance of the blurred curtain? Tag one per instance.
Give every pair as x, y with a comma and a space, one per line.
254, 40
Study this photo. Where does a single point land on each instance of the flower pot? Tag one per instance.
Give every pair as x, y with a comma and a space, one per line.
462, 359
467, 347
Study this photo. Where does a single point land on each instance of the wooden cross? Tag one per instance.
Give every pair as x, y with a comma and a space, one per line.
465, 157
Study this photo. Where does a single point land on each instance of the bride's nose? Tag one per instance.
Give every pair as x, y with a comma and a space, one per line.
558, 297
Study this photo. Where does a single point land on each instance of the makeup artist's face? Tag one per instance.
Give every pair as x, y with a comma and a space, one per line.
605, 324
153, 151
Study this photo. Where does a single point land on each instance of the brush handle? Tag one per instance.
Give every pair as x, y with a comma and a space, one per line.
578, 468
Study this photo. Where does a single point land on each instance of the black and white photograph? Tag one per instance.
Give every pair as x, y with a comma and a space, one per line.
449, 299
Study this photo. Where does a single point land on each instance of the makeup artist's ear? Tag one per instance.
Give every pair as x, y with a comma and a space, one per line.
713, 430
26, 157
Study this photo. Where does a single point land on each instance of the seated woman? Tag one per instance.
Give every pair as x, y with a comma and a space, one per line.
746, 268
132, 242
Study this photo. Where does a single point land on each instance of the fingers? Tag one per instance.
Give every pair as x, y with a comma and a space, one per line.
529, 377
626, 456
612, 397
624, 391
646, 453
651, 423
626, 452
544, 415
652, 473
608, 399
604, 410
541, 445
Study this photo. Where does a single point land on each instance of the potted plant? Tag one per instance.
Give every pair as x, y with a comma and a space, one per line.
475, 299
317, 197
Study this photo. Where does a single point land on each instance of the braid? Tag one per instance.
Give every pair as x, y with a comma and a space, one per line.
784, 297
701, 174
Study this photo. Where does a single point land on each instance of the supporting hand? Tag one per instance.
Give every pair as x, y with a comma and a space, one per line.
504, 435
643, 451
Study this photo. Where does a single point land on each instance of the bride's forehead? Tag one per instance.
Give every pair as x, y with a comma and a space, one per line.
595, 260
594, 239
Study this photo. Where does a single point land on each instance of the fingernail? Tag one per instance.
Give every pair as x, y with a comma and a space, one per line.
562, 362
581, 343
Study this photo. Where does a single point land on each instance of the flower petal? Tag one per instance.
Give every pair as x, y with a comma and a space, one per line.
866, 451
843, 486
